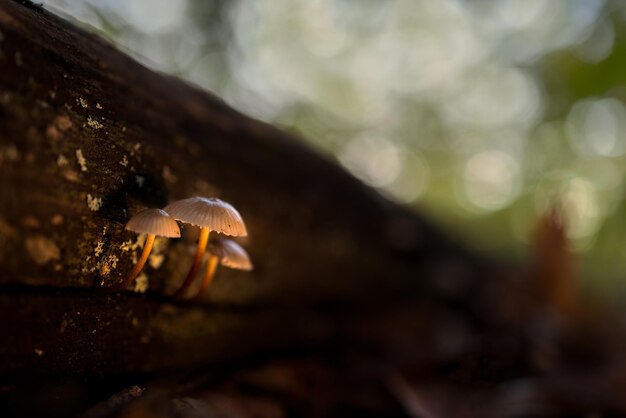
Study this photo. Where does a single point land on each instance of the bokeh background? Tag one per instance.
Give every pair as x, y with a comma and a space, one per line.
478, 114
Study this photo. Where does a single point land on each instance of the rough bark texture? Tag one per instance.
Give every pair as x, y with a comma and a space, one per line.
89, 137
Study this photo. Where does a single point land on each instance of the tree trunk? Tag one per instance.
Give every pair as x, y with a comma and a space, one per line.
88, 137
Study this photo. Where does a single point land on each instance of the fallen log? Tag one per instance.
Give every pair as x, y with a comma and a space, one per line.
89, 137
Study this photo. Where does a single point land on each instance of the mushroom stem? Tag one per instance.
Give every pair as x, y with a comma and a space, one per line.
209, 273
147, 248
202, 241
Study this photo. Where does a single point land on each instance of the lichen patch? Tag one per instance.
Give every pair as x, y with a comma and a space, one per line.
94, 123
127, 246
42, 249
141, 283
141, 240
99, 248
157, 256
82, 102
94, 203
155, 260
110, 263
62, 161
82, 162
133, 246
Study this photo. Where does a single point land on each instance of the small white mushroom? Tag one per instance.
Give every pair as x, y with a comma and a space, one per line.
226, 252
153, 222
209, 214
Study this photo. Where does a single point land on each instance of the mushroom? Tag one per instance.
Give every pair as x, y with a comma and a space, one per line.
153, 222
228, 253
209, 214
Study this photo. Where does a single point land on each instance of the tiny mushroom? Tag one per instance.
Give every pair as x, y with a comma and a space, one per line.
228, 253
209, 214
153, 222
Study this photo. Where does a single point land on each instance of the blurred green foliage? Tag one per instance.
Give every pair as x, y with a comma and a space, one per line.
478, 113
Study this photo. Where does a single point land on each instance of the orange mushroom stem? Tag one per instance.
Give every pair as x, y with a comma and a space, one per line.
197, 261
207, 279
226, 252
147, 248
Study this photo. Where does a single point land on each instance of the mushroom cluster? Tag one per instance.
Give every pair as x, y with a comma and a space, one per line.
210, 215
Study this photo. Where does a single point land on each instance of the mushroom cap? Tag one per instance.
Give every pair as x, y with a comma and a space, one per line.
230, 254
154, 221
211, 213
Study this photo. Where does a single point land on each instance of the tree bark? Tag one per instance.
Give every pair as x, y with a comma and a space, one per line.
89, 137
